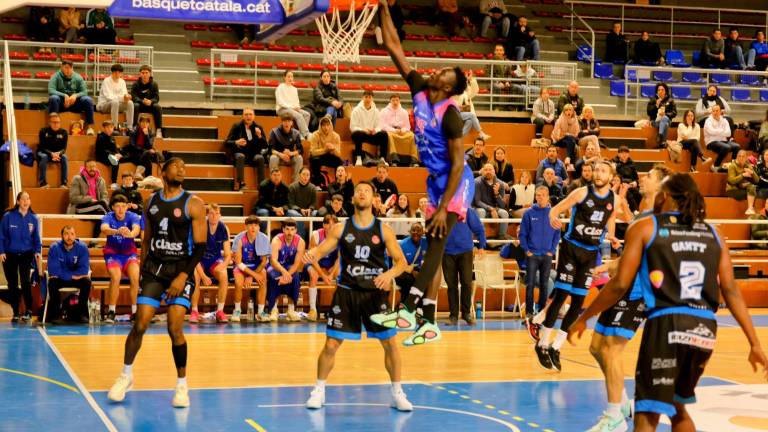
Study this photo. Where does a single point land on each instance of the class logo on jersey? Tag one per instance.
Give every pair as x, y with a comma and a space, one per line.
664, 233
590, 231
375, 239
350, 238
590, 203
153, 210
657, 278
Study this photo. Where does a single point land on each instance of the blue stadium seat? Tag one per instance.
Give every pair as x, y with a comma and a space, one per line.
741, 95
664, 76
763, 95
617, 88
751, 80
692, 77
631, 76
604, 70
695, 58
647, 91
720, 78
682, 93
583, 54
676, 58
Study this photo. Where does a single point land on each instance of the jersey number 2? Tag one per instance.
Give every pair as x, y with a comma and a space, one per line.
691, 279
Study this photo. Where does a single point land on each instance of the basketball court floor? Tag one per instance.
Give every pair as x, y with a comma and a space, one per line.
257, 377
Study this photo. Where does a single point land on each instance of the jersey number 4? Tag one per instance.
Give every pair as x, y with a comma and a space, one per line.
691, 279
164, 224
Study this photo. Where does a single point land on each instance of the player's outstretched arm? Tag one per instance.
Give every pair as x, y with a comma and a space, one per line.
391, 40
326, 247
738, 308
399, 263
573, 198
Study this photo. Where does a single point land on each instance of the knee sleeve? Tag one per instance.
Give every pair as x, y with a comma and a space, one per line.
554, 308
573, 312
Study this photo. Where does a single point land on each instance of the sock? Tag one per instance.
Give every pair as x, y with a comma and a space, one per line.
237, 306
133, 308
260, 309
194, 309
128, 370
624, 397
220, 307
544, 337
413, 297
112, 308
313, 298
181, 381
559, 339
179, 355
291, 307
614, 410
429, 306
320, 384
396, 387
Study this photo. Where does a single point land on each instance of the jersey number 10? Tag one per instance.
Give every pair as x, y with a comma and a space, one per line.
362, 252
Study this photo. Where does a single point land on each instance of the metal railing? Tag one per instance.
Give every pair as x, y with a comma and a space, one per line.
239, 65
11, 123
590, 41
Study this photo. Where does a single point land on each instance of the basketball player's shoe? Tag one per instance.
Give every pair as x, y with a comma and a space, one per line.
554, 356
628, 409
316, 398
608, 423
400, 319
426, 333
542, 354
180, 396
122, 386
533, 330
400, 402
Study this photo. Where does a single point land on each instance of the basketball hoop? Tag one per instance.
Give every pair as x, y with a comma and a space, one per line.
341, 39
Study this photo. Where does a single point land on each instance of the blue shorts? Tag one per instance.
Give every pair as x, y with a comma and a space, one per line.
275, 290
120, 261
209, 265
461, 200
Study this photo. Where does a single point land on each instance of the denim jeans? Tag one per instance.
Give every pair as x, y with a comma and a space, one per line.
722, 148
42, 164
83, 104
537, 265
487, 20
470, 122
333, 112
663, 126
503, 214
570, 143
532, 49
736, 57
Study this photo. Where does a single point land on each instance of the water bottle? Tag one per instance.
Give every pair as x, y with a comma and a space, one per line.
91, 314
97, 311
26, 102
479, 310
250, 312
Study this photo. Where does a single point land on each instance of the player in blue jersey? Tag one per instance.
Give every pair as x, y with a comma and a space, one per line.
251, 253
214, 264
683, 269
327, 268
284, 270
438, 130
121, 228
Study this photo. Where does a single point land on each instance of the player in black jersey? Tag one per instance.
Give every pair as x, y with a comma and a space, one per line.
173, 245
592, 219
683, 268
362, 290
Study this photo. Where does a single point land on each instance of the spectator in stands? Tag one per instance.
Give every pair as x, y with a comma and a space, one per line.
67, 92
761, 171
523, 75
414, 247
504, 170
543, 111
760, 231
247, 143
647, 52
334, 206
449, 15
661, 111
121, 228
757, 56
585, 178
99, 27
302, 199
325, 150
130, 190
551, 161
273, 197
458, 263
385, 186
19, 245
146, 97
287, 102
762, 136
591, 155
570, 96
244, 32
705, 104
688, 134
402, 144
326, 99
623, 211
554, 188
326, 268
734, 52
42, 26
88, 195
141, 147
521, 195
285, 146
717, 135
741, 181
522, 41
69, 266
489, 198
251, 250
401, 209
284, 270
476, 157
539, 241
566, 132
501, 72
616, 45
69, 24
627, 172
343, 186
421, 210
366, 128
114, 97
467, 108
107, 151
713, 51
216, 258
494, 12
589, 128
52, 147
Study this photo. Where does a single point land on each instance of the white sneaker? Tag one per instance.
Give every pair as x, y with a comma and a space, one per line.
273, 316
750, 211
180, 396
159, 134
316, 399
90, 131
235, 316
293, 316
401, 402
610, 424
122, 386
359, 161
113, 186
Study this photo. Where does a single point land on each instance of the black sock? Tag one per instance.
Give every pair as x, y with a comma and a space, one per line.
428, 309
180, 355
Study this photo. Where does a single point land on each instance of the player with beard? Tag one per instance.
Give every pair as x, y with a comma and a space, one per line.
174, 243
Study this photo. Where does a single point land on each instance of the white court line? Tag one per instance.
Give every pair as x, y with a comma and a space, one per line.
102, 415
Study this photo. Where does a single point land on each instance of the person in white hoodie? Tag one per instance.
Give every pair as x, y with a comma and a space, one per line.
287, 102
366, 128
114, 97
717, 136
467, 113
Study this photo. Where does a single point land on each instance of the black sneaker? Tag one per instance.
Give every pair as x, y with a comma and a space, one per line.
468, 318
452, 320
15, 318
109, 318
554, 356
543, 356
27, 317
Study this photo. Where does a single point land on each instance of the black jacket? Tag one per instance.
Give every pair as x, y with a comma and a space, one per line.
322, 97
134, 197
141, 91
133, 141
271, 195
670, 109
105, 146
615, 46
52, 141
347, 190
626, 170
254, 147
475, 164
647, 51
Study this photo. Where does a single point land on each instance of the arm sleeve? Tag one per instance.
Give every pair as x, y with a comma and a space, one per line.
36, 240
82, 90
52, 87
233, 135
555, 241
54, 266
292, 199
84, 262
41, 143
477, 229
452, 124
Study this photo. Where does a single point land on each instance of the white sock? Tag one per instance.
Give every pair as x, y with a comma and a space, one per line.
220, 307
112, 308
320, 385
291, 307
428, 301
133, 309
237, 306
544, 336
181, 381
260, 309
624, 397
396, 387
127, 370
614, 410
313, 298
559, 339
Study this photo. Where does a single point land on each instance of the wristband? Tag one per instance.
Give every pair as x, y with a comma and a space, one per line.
242, 266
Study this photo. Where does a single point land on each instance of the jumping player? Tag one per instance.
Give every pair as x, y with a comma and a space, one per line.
173, 245
450, 186
674, 254
121, 227
327, 268
284, 270
363, 242
592, 217
214, 264
252, 252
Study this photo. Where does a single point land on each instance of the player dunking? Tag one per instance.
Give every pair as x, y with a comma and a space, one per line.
685, 267
175, 219
363, 289
450, 186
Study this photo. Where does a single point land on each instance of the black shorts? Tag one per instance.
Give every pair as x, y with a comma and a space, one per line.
673, 353
352, 309
155, 279
574, 268
622, 319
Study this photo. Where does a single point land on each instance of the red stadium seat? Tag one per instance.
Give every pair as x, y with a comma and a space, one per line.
220, 28
374, 87
426, 71
304, 49
237, 64
349, 86
195, 27
280, 48
125, 41
201, 44
484, 91
422, 22
297, 32
122, 24
242, 82
473, 55
268, 83
256, 46
206, 62
45, 57
15, 37
460, 39
286, 65
408, 53
482, 40
99, 77
437, 38
43, 75
413, 37
300, 84
312, 67
313, 33
20, 74
363, 69
74, 58
341, 67
449, 54
387, 69
376, 51
260, 65
106, 58
128, 60
217, 81
227, 45
399, 88
18, 55
428, 54
130, 78
479, 72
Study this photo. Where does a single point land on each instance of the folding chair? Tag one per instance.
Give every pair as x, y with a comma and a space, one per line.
63, 292
490, 270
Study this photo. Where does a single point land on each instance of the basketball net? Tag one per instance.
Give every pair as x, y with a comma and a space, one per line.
341, 39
